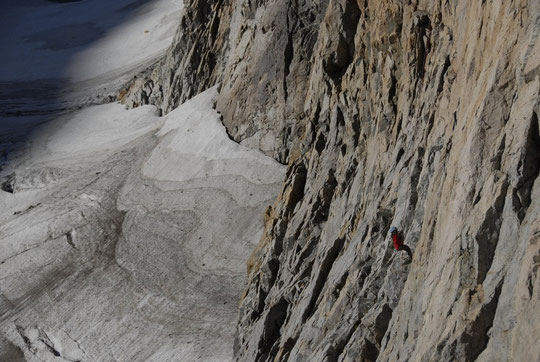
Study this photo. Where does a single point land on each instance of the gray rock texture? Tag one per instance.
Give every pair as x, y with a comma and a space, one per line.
420, 114
260, 55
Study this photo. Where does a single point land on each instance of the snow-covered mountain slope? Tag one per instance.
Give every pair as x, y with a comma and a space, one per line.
120, 243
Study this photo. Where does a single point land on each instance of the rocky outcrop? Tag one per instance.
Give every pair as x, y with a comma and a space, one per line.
259, 55
190, 65
422, 115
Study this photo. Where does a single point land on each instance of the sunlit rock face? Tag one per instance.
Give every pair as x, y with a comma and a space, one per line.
124, 235
421, 115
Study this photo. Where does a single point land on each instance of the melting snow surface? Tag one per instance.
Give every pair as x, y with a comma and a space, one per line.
155, 218
196, 145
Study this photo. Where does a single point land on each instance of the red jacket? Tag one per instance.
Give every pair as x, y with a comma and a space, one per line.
398, 243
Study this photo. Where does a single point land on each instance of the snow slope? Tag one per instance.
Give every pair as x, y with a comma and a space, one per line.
127, 236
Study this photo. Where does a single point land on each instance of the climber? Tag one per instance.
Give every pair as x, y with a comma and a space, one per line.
398, 241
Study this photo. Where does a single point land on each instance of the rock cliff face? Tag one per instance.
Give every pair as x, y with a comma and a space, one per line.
419, 114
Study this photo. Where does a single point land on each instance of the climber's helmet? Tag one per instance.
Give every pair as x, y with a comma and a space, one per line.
393, 230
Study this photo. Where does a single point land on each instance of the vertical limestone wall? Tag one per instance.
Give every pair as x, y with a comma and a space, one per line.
418, 114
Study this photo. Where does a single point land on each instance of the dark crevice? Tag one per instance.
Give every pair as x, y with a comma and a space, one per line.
529, 166
478, 197
340, 284
398, 127
355, 125
497, 159
392, 92
214, 28
304, 254
288, 53
422, 25
488, 235
340, 119
476, 338
325, 267
443, 74
340, 347
365, 272
399, 155
320, 143
342, 55
369, 352
31, 207
429, 127
531, 279
287, 348
298, 185
272, 325
269, 272
321, 207
381, 323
